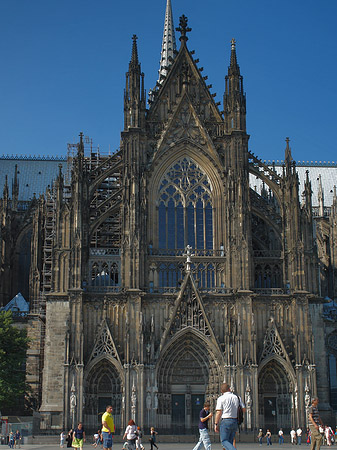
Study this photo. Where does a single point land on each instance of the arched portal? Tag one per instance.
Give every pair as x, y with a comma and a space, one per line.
187, 374
275, 397
103, 386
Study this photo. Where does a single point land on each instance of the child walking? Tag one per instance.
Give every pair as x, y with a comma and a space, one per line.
153, 438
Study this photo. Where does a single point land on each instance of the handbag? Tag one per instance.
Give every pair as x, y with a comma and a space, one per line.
240, 412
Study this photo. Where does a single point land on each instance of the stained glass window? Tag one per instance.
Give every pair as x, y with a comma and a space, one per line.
185, 207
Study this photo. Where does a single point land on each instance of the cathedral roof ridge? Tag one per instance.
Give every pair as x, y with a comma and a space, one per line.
33, 157
280, 162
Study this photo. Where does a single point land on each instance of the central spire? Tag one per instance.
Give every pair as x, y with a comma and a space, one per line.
168, 47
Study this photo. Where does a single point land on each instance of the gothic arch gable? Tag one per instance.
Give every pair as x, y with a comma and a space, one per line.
104, 346
189, 314
274, 349
205, 354
185, 125
185, 68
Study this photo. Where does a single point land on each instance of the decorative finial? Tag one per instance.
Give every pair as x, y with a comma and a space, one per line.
234, 67
188, 255
183, 28
134, 56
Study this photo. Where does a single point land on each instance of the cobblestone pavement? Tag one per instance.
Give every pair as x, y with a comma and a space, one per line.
167, 446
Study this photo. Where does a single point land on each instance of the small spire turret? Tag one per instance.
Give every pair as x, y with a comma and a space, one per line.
288, 159
234, 67
308, 192
15, 190
5, 194
134, 95
234, 97
134, 55
320, 197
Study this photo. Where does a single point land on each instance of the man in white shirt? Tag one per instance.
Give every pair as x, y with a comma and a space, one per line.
299, 435
280, 437
293, 436
226, 418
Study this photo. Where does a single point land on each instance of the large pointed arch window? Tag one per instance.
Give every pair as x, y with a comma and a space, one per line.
185, 207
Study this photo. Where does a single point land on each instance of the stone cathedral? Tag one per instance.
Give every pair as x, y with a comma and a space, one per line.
160, 271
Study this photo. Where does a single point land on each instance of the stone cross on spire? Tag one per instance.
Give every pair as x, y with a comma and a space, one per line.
183, 28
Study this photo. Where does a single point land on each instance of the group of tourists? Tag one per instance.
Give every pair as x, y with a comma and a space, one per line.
229, 408
316, 435
74, 438
229, 413
134, 435
14, 439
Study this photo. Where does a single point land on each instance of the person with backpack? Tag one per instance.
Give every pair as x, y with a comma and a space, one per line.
229, 408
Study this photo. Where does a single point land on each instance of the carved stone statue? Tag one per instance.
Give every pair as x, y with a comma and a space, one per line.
148, 401
73, 401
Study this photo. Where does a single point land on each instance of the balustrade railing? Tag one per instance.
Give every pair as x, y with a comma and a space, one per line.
317, 213
267, 254
104, 251
182, 252
103, 289
271, 291
175, 289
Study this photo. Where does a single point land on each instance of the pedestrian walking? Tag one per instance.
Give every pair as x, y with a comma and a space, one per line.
108, 428
62, 437
11, 440
139, 444
204, 439
280, 437
299, 435
260, 436
268, 436
153, 438
314, 424
69, 438
293, 436
78, 436
131, 434
226, 418
17, 438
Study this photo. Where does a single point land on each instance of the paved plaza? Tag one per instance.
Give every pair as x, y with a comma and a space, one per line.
166, 446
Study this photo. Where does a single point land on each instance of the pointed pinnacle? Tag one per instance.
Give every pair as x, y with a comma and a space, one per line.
134, 56
288, 157
234, 67
168, 48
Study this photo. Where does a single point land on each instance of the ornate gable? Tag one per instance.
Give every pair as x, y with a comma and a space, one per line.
184, 76
184, 124
188, 312
272, 344
104, 344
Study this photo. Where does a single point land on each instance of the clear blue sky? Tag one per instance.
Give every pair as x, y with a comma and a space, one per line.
63, 67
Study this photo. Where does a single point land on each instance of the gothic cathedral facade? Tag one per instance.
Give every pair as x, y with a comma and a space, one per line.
158, 272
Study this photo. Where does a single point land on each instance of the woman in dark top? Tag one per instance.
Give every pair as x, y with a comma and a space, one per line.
78, 436
69, 439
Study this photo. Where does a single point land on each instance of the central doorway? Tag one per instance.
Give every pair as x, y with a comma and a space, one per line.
186, 409
187, 375
275, 397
